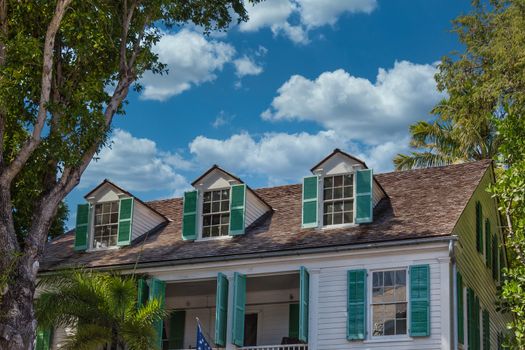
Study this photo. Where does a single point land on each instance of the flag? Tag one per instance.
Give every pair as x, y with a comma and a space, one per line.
202, 343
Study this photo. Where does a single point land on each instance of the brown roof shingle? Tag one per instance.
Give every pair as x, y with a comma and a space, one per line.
421, 203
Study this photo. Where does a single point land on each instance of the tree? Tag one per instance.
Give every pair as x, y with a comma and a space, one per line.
66, 68
103, 308
487, 81
449, 140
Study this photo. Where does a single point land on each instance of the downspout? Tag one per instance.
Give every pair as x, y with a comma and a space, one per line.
454, 294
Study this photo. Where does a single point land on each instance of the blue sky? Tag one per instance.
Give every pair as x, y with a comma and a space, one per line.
271, 97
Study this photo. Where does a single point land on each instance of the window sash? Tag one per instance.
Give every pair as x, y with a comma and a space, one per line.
403, 301
215, 222
345, 187
105, 224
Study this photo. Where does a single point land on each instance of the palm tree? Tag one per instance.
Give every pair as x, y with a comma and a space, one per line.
447, 141
102, 307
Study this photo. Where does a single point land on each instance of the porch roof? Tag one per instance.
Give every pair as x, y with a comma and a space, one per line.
421, 203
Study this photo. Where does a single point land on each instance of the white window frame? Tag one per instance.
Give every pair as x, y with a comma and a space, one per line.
200, 214
91, 226
322, 201
370, 326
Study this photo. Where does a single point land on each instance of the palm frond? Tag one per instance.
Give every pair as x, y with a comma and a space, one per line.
88, 337
418, 160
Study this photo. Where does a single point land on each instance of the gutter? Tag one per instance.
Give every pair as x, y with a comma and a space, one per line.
454, 294
297, 252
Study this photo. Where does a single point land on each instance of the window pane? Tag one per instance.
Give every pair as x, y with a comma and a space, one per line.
338, 193
106, 207
206, 208
206, 220
401, 277
215, 231
338, 218
205, 231
338, 207
377, 320
98, 219
114, 207
348, 217
328, 193
215, 219
207, 196
377, 294
225, 194
401, 326
338, 181
98, 209
389, 327
348, 192
225, 218
378, 279
225, 206
216, 195
328, 182
105, 219
215, 207
349, 180
401, 293
327, 219
401, 310
388, 294
389, 278
328, 208
114, 217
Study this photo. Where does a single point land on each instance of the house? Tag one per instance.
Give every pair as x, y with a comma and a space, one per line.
346, 260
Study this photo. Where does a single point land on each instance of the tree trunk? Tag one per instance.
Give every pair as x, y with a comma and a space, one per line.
17, 322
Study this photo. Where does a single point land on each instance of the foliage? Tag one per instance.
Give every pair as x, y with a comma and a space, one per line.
102, 306
485, 85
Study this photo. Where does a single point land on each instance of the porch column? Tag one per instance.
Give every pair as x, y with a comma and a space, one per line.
446, 304
229, 324
313, 322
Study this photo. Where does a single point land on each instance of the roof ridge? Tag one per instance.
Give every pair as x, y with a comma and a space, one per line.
481, 161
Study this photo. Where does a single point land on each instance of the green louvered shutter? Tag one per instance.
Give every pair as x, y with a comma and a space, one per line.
189, 216
237, 209
293, 321
488, 243
125, 221
363, 196
495, 259
142, 292
310, 200
356, 306
82, 226
461, 324
477, 318
419, 300
239, 304
471, 325
177, 328
221, 310
304, 300
486, 330
479, 227
501, 264
44, 339
157, 290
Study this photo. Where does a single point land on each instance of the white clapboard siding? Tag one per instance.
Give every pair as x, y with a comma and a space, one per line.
144, 219
255, 208
332, 314
471, 263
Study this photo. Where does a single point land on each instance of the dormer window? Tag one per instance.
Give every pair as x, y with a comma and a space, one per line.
216, 213
105, 225
338, 199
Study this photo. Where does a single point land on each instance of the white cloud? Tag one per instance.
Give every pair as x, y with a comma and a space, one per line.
246, 66
191, 60
276, 15
356, 107
136, 164
222, 119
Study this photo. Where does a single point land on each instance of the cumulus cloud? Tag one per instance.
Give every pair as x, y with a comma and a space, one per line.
277, 14
191, 59
246, 66
371, 112
137, 164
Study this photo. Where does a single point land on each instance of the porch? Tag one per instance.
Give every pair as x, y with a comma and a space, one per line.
269, 306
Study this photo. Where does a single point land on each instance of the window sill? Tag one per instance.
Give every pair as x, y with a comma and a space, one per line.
332, 227
388, 340
102, 249
219, 238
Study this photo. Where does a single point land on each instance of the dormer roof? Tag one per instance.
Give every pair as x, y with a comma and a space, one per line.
338, 151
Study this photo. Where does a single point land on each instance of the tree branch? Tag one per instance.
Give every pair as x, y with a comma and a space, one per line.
7, 176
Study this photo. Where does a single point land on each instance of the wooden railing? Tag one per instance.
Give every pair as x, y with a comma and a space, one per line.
277, 347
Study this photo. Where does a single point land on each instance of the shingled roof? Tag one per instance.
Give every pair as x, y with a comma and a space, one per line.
421, 203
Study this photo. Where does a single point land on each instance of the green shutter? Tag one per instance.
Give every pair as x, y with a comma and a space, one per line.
177, 328
125, 221
189, 215
82, 226
488, 243
310, 199
486, 330
157, 290
479, 227
461, 323
237, 209
477, 318
363, 196
304, 299
44, 339
239, 303
142, 292
471, 322
501, 263
419, 300
293, 321
495, 259
356, 305
221, 310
